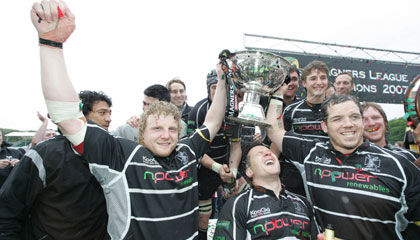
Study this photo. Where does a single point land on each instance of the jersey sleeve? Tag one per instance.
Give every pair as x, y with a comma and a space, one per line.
199, 141
17, 197
412, 198
409, 155
287, 120
100, 147
231, 223
295, 147
311, 214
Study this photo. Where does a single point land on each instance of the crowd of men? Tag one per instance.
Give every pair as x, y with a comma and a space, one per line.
327, 162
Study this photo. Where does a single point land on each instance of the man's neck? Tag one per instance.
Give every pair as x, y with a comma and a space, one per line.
181, 108
380, 143
315, 99
273, 184
288, 99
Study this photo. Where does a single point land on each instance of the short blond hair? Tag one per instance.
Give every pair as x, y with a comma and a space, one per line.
158, 108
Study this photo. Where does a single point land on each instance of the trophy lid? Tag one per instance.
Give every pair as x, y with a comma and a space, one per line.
267, 69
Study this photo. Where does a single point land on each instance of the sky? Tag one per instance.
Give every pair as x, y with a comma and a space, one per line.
121, 47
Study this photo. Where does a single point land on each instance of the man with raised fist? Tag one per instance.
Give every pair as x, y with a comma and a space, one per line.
150, 189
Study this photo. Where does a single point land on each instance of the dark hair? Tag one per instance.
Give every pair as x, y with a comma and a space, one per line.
159, 92
318, 65
348, 74
378, 108
293, 68
337, 99
175, 80
89, 98
245, 159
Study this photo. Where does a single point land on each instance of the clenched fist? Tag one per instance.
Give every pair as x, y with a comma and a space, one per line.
53, 20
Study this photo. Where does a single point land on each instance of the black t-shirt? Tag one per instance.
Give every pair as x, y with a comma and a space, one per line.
372, 193
148, 197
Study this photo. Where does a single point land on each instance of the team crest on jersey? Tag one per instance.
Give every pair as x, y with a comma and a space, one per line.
150, 161
182, 157
372, 163
323, 159
298, 207
260, 212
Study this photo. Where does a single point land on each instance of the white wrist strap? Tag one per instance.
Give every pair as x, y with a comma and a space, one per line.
234, 172
215, 167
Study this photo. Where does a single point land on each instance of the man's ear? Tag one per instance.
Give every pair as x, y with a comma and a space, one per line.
249, 173
324, 126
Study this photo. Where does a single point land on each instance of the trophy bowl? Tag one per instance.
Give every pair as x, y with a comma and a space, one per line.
412, 102
254, 74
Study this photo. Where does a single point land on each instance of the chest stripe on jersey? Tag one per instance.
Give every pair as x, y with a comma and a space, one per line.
354, 216
159, 191
165, 218
355, 191
277, 214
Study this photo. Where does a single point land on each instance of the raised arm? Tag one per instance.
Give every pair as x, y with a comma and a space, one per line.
216, 112
274, 118
55, 23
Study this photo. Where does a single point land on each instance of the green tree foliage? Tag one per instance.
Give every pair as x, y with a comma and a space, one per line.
396, 130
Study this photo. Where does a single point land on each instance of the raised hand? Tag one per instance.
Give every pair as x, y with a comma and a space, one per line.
53, 20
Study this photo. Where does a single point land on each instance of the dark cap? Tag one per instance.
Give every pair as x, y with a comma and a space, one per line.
211, 79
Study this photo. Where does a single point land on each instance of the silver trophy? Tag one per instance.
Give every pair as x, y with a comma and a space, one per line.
254, 74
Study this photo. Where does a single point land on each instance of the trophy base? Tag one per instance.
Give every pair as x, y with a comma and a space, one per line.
248, 122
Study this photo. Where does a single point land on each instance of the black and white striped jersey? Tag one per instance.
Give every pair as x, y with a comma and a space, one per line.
259, 214
148, 197
220, 147
371, 193
409, 155
304, 119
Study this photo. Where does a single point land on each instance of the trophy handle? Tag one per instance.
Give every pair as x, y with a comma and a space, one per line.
412, 102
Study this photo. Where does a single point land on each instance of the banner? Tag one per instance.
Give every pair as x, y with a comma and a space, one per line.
375, 81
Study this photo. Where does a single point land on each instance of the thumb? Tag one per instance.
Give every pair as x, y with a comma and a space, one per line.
226, 168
